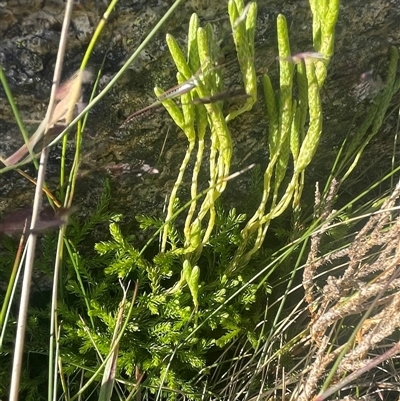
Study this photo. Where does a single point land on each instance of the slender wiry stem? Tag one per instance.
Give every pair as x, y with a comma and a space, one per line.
367, 367
23, 311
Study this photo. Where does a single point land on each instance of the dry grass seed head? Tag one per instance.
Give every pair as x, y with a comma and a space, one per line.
359, 290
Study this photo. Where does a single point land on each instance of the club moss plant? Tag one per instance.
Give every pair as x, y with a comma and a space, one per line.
192, 315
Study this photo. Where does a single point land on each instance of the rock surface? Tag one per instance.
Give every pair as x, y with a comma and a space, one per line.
30, 31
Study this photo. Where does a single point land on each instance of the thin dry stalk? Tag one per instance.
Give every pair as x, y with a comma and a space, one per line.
20, 336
